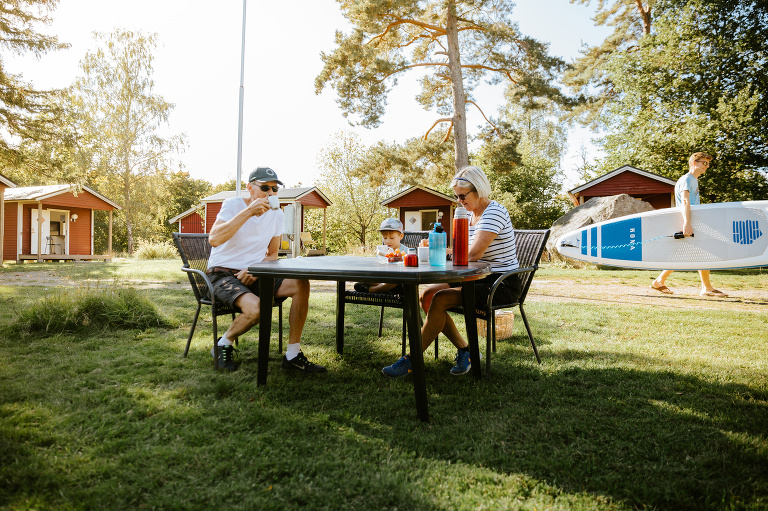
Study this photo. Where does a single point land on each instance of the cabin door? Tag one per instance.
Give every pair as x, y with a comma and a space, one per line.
59, 227
46, 232
428, 220
412, 221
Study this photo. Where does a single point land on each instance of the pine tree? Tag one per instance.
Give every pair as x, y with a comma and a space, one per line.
25, 113
460, 41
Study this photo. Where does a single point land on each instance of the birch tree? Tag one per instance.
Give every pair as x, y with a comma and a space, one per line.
123, 116
357, 210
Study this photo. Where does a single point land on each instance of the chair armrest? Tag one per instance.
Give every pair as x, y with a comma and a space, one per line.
205, 279
518, 271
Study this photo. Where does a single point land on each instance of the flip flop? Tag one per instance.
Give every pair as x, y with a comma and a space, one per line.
661, 289
714, 292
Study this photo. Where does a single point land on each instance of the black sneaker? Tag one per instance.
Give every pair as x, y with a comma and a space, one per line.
362, 287
226, 358
300, 363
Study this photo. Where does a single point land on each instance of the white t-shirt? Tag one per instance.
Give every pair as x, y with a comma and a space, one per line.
502, 252
249, 244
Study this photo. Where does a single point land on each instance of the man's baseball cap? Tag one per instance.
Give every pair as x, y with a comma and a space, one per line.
264, 174
391, 224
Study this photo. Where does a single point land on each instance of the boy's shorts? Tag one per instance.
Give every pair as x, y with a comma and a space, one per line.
228, 288
508, 292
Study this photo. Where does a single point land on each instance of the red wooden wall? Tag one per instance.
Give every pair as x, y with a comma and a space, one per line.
419, 199
314, 200
652, 191
192, 223
9, 239
211, 210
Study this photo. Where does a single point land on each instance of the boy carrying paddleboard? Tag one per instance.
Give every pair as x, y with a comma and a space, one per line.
686, 195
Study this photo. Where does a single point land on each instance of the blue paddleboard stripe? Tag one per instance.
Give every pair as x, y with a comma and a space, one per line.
745, 232
593, 242
584, 242
621, 240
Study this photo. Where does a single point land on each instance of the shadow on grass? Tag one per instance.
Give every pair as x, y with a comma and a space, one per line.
654, 439
126, 422
651, 437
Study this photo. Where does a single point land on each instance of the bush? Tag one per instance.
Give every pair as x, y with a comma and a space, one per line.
88, 311
156, 250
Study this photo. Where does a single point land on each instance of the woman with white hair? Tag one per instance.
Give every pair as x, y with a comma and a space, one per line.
492, 240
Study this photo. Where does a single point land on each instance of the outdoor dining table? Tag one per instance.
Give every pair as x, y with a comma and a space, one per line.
367, 269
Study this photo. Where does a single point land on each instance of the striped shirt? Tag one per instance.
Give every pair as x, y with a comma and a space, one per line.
502, 252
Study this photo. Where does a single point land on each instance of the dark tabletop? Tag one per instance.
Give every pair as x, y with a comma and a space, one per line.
349, 268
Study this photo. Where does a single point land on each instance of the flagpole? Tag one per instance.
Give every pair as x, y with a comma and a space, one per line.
240, 116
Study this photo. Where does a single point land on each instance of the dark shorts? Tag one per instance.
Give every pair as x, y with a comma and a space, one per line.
228, 288
508, 292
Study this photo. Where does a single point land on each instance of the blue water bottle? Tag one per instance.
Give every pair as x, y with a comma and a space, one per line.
437, 242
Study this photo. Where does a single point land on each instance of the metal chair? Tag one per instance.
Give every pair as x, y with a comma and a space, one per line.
530, 245
52, 245
195, 250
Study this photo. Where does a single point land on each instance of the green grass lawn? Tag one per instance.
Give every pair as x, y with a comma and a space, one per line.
634, 406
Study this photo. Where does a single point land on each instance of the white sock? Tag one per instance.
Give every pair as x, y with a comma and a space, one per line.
224, 341
292, 350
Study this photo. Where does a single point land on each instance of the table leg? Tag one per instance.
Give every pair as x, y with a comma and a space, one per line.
340, 287
470, 320
266, 291
411, 311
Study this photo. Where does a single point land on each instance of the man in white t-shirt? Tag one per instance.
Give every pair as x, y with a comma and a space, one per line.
248, 231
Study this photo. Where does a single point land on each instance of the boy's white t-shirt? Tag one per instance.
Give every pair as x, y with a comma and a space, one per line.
249, 244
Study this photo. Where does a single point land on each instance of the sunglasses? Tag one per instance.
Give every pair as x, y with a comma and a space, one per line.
462, 196
265, 188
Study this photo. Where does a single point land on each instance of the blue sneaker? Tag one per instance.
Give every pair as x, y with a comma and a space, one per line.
399, 368
463, 363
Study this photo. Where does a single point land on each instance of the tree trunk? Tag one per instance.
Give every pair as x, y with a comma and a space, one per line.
457, 86
128, 210
645, 15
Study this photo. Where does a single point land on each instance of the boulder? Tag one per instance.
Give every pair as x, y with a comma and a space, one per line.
591, 212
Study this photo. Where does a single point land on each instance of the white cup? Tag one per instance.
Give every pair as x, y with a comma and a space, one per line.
423, 254
274, 202
382, 250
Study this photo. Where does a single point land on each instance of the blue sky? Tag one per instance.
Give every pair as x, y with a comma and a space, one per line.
197, 68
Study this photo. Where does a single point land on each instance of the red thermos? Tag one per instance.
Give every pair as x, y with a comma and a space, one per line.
460, 237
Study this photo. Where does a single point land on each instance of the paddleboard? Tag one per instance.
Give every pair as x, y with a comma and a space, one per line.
726, 235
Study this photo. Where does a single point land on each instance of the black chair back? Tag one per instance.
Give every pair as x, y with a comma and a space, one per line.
195, 250
530, 245
412, 238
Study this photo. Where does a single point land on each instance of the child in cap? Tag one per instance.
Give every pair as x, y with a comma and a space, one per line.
392, 234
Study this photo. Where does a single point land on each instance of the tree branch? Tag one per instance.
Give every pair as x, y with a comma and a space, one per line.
483, 114
411, 66
434, 28
447, 119
448, 134
505, 72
